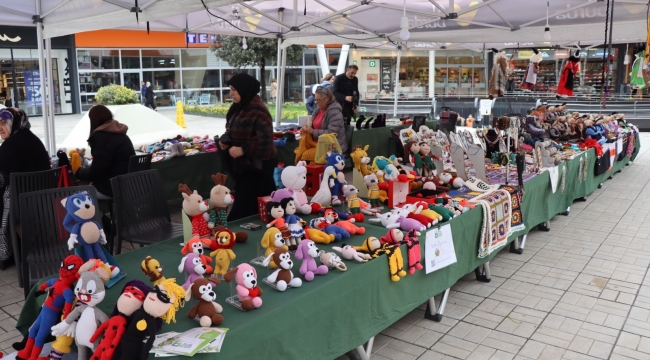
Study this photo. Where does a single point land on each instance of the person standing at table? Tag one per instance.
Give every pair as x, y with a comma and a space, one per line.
346, 92
248, 151
143, 92
274, 89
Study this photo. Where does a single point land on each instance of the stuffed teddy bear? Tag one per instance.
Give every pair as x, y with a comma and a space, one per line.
271, 241
350, 253
198, 247
282, 277
60, 298
326, 226
224, 240
331, 260
220, 199
196, 208
130, 300
82, 228
307, 252
154, 271
248, 290
193, 267
375, 249
83, 321
207, 310
294, 178
337, 179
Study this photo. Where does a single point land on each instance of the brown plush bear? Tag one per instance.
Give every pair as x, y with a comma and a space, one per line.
207, 309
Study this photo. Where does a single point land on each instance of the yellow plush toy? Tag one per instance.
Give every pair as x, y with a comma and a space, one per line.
375, 248
271, 241
222, 244
152, 268
319, 237
75, 160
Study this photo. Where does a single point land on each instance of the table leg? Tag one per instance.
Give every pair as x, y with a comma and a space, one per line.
566, 213
600, 186
365, 352
433, 313
483, 273
545, 226
517, 247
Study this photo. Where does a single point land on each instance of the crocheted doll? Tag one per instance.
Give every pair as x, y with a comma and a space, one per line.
294, 223
412, 242
272, 240
412, 150
206, 309
196, 208
572, 67
83, 230
375, 249
294, 178
308, 252
530, 80
222, 245
326, 226
154, 271
337, 161
193, 267
130, 300
199, 247
373, 190
248, 289
60, 298
162, 302
220, 198
428, 166
351, 195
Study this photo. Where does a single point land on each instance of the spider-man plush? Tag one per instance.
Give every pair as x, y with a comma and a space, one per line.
60, 297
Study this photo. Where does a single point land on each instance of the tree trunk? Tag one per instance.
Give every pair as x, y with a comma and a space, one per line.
263, 80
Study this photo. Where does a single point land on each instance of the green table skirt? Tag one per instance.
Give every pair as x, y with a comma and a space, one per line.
333, 314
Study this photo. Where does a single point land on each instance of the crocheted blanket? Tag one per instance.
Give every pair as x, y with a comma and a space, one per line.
517, 218
496, 221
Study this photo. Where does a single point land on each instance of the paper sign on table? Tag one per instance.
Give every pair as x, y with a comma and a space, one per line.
439, 251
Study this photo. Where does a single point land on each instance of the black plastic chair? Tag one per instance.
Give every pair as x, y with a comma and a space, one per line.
45, 240
349, 132
20, 183
140, 209
140, 163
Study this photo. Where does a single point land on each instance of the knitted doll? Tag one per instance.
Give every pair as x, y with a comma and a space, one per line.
130, 300
154, 271
636, 75
222, 245
373, 190
196, 208
351, 195
220, 198
162, 302
80, 213
572, 67
375, 249
199, 247
294, 223
337, 162
271, 240
412, 242
497, 85
530, 79
60, 298
428, 165
193, 267
412, 150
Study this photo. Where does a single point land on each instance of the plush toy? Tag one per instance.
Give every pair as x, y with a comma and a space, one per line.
337, 161
222, 245
361, 159
466, 203
318, 236
350, 192
454, 182
326, 226
130, 300
198, 247
295, 179
306, 252
193, 267
280, 194
373, 190
428, 166
331, 260
162, 302
323, 196
84, 320
389, 171
207, 310
414, 253
196, 208
443, 211
334, 217
530, 79
350, 253
412, 150
277, 212
392, 220
60, 298
271, 241
83, 230
220, 199
282, 277
422, 208
154, 271
75, 160
248, 290
375, 248
408, 210
294, 223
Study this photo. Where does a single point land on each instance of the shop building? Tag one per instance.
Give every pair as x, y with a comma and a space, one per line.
20, 73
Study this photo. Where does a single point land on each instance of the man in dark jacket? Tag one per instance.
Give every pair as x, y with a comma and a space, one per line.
143, 92
346, 92
110, 148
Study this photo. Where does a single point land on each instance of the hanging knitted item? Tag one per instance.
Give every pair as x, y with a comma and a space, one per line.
563, 178
584, 169
580, 170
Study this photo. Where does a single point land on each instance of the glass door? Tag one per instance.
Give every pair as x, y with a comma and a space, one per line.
132, 80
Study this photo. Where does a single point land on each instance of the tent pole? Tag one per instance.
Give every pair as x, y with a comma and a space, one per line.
399, 53
50, 93
432, 66
322, 58
345, 50
41, 69
280, 89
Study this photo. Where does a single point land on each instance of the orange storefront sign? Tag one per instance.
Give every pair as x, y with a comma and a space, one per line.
133, 39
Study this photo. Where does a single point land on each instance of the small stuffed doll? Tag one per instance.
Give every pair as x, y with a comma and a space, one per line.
277, 212
283, 276
83, 230
351, 194
331, 260
271, 241
428, 166
196, 208
90, 291
75, 160
294, 223
224, 240
318, 236
199, 247
162, 302
207, 309
325, 226
60, 298
295, 178
414, 254
530, 78
130, 300
373, 190
334, 217
248, 290
307, 252
154, 271
412, 148
410, 211
391, 220
452, 181
337, 162
193, 267
443, 211
375, 249
220, 199
350, 253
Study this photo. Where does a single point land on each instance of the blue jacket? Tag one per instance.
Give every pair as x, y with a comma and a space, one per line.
143, 90
311, 104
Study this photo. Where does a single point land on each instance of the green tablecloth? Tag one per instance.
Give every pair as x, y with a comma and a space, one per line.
336, 312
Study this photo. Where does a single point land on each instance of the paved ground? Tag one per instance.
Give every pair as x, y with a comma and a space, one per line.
580, 291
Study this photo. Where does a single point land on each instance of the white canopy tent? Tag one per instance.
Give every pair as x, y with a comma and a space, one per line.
432, 24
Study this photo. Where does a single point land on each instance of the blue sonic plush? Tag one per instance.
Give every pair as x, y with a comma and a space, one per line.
337, 161
82, 228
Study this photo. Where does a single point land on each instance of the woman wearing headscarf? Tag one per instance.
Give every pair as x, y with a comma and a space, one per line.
247, 146
110, 148
21, 151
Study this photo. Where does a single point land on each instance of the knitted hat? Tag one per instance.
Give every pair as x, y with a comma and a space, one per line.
390, 237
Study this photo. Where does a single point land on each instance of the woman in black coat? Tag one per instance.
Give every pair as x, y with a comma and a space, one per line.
150, 97
21, 151
110, 148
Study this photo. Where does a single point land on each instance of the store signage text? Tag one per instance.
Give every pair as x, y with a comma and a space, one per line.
194, 38
582, 13
67, 85
4, 37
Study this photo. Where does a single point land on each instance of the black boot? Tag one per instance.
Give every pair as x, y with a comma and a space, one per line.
359, 121
367, 124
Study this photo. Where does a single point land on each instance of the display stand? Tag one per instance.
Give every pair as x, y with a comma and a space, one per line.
437, 152
359, 183
433, 313
483, 273
458, 157
476, 155
545, 226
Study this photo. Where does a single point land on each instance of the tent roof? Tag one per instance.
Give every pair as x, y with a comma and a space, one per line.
369, 22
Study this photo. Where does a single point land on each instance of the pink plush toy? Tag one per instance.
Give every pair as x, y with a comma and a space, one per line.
413, 250
306, 252
248, 290
194, 268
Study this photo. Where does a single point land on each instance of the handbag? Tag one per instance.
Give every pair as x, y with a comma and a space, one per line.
602, 164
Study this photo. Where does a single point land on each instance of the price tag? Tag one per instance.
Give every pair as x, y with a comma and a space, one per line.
439, 251
485, 107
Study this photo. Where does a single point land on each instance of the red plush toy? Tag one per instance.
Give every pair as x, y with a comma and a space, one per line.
413, 250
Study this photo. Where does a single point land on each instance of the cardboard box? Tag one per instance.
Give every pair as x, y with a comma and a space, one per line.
264, 208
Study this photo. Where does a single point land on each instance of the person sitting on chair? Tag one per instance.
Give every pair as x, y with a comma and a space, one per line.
327, 118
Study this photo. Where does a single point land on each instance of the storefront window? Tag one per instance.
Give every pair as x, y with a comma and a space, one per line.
98, 59
160, 58
195, 79
194, 57
228, 73
311, 56
461, 57
130, 59
91, 82
163, 80
333, 57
